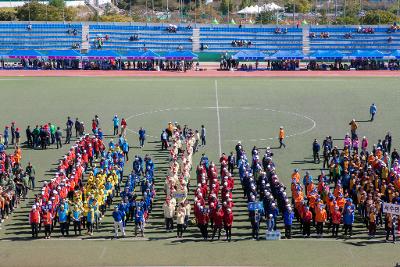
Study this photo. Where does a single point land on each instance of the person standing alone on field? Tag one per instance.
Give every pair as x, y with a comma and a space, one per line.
77, 127
12, 132
316, 148
164, 140
30, 171
29, 135
5, 136
58, 136
372, 111
116, 124
69, 125
142, 136
281, 137
203, 135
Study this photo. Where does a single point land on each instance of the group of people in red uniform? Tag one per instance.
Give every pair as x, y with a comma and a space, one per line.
213, 198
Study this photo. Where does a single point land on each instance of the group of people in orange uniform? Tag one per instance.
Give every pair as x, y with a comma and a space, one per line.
14, 183
359, 182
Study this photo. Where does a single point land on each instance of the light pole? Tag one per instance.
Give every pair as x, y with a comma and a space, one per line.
294, 10
147, 15
335, 9
344, 9
130, 9
152, 6
29, 10
195, 13
228, 9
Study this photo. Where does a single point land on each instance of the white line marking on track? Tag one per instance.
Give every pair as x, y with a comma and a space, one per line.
103, 252
218, 118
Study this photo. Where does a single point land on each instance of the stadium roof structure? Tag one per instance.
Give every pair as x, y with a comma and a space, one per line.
292, 54
249, 55
101, 54
325, 54
63, 54
27, 54
180, 55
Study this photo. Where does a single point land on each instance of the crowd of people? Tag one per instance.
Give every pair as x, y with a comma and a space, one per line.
14, 181
213, 201
359, 181
176, 185
66, 199
365, 30
261, 185
322, 35
241, 43
135, 206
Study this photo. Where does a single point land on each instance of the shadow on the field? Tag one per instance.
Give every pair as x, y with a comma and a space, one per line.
364, 243
26, 238
312, 169
298, 162
364, 121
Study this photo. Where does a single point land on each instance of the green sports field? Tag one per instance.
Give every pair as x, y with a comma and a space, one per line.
246, 109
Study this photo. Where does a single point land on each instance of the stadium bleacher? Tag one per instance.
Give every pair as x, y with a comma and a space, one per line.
219, 39
200, 38
40, 35
378, 40
156, 38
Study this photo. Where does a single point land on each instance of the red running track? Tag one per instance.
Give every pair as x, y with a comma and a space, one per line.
208, 73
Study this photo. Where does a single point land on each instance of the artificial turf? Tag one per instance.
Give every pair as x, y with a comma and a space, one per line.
250, 110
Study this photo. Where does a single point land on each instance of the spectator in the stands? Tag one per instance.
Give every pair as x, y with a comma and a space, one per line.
348, 35
172, 28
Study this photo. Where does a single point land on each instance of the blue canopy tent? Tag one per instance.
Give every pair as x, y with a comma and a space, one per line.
180, 55
101, 54
133, 54
394, 55
26, 54
239, 54
376, 54
63, 54
249, 55
281, 55
325, 55
366, 54
149, 55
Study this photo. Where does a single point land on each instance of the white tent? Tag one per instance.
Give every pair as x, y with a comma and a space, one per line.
244, 10
249, 10
271, 7
257, 9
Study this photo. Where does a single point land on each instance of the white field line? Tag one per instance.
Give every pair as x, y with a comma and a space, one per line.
218, 118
